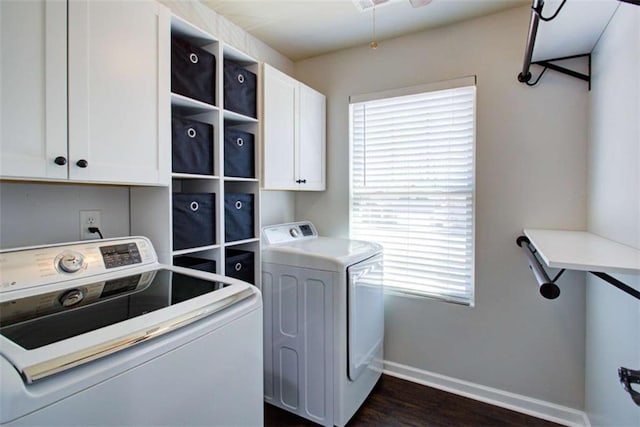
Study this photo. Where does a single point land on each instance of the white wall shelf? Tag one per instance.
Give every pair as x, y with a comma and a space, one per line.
581, 251
584, 251
560, 31
575, 31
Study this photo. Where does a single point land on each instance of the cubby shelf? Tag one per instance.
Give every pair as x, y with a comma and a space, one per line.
154, 208
239, 179
190, 106
241, 242
234, 117
175, 175
195, 250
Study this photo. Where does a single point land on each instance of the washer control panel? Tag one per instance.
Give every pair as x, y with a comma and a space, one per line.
120, 255
288, 232
34, 266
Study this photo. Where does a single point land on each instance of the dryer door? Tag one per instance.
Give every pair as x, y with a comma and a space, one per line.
365, 316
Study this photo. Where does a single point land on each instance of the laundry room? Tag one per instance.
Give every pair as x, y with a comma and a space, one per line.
320, 212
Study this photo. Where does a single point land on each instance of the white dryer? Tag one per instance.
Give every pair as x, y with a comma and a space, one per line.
324, 321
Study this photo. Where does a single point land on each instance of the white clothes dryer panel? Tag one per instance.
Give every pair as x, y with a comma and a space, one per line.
324, 322
300, 356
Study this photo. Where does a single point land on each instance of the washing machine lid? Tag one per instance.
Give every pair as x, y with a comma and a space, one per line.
290, 244
65, 305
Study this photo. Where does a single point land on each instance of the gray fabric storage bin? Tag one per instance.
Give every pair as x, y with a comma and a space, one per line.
194, 220
192, 71
239, 158
192, 146
239, 264
195, 263
239, 90
238, 216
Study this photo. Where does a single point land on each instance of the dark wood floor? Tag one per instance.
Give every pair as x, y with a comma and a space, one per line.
395, 402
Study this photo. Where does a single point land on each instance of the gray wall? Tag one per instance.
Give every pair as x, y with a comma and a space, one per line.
613, 318
39, 214
531, 172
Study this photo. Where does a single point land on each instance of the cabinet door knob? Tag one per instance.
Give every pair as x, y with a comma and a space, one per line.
301, 181
60, 161
82, 163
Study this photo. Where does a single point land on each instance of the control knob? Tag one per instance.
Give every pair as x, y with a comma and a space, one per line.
71, 262
71, 297
294, 232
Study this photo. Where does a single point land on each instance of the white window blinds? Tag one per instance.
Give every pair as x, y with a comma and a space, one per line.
412, 189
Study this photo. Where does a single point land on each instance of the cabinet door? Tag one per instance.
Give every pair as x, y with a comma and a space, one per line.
311, 139
119, 90
280, 93
33, 89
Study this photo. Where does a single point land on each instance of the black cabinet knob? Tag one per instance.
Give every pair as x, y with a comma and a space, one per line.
60, 161
82, 163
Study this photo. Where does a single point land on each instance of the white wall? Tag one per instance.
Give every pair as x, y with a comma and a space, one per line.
531, 172
613, 317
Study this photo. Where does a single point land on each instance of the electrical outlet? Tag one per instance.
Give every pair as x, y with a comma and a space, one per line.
89, 219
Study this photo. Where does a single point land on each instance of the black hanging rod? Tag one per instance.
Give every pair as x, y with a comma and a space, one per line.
536, 15
548, 287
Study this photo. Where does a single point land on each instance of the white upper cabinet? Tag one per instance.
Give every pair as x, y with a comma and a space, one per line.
279, 130
33, 91
311, 139
118, 59
294, 134
108, 129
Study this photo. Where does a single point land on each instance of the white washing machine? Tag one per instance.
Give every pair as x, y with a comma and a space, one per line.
99, 333
323, 324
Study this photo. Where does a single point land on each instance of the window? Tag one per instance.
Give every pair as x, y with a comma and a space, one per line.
412, 185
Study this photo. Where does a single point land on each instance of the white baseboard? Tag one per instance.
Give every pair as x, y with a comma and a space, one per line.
515, 402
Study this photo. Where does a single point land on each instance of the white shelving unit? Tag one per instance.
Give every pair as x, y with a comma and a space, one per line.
584, 251
581, 251
152, 207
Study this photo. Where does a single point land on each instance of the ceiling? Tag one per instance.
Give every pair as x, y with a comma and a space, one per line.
302, 29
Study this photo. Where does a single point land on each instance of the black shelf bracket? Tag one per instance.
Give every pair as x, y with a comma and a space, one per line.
627, 377
536, 16
617, 283
549, 64
548, 287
